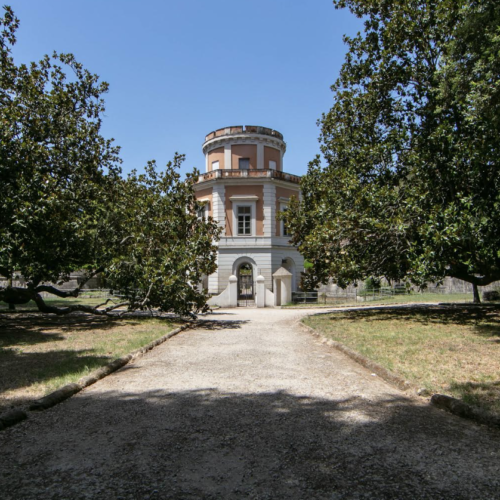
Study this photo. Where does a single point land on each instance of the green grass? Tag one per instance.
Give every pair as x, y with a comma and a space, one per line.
395, 299
31, 306
39, 354
449, 350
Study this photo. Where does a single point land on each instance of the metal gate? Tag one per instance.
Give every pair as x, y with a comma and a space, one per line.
245, 291
245, 285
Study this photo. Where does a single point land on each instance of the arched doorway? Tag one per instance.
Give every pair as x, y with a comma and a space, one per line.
289, 265
245, 284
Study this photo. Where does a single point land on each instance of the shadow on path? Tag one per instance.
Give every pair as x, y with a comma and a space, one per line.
210, 444
220, 324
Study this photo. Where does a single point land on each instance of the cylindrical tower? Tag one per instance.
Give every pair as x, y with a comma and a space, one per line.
244, 189
244, 147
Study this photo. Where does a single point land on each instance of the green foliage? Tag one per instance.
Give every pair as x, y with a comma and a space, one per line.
165, 248
411, 185
65, 207
55, 167
372, 283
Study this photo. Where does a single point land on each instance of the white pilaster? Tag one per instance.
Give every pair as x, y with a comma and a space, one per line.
213, 280
260, 155
219, 206
233, 291
227, 156
286, 290
269, 210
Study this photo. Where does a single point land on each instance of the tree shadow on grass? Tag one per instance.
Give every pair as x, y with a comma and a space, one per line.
20, 370
481, 394
36, 328
484, 320
31, 329
213, 444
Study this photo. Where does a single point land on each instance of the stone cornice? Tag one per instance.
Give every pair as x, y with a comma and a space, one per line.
246, 180
218, 142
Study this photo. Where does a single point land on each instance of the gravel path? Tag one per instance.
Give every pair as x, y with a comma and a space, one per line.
247, 406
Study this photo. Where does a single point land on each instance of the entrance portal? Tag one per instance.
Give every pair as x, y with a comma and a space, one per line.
245, 285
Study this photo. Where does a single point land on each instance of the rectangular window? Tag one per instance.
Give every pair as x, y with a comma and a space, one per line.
215, 165
202, 212
244, 220
244, 163
272, 165
284, 228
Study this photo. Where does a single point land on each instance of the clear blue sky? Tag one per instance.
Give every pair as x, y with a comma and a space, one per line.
179, 69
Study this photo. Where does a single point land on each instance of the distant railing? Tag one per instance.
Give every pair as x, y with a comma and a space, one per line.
255, 173
304, 297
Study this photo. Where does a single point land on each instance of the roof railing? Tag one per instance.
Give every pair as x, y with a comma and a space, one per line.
254, 173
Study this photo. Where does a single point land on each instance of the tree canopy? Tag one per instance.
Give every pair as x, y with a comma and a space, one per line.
410, 188
64, 205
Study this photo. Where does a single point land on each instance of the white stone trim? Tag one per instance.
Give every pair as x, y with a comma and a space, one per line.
243, 197
238, 181
256, 242
227, 141
219, 208
260, 155
227, 156
213, 279
269, 190
253, 218
283, 207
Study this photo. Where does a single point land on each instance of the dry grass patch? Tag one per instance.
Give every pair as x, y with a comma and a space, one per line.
40, 353
453, 350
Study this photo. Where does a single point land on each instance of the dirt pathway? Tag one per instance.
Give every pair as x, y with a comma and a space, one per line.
247, 406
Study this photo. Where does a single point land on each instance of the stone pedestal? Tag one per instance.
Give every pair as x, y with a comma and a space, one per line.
260, 296
282, 280
233, 291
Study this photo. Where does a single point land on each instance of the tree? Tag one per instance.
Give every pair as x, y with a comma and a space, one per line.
160, 247
410, 189
65, 207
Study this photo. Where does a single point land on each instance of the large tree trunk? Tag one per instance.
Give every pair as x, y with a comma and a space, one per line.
475, 291
18, 295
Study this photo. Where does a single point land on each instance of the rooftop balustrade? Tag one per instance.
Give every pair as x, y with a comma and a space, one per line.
253, 173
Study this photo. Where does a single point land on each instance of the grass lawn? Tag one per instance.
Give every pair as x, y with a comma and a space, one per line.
387, 300
452, 350
54, 301
39, 353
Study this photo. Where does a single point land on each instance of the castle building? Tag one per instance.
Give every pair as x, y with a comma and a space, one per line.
243, 189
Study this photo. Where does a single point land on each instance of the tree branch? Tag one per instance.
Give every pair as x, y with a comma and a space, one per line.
60, 311
72, 293
475, 280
